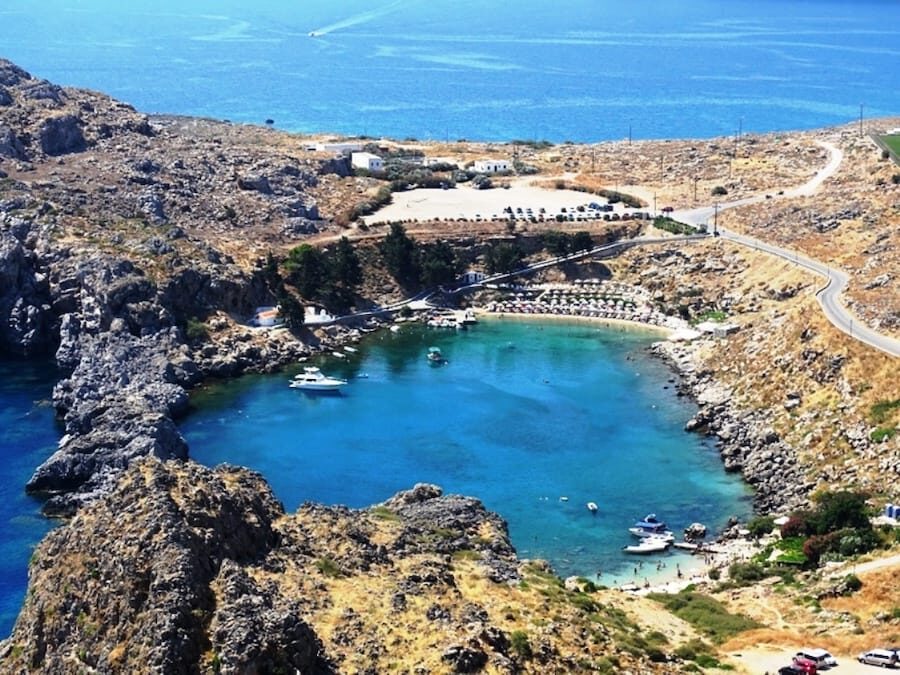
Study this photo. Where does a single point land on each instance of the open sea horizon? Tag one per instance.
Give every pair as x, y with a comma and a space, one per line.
578, 70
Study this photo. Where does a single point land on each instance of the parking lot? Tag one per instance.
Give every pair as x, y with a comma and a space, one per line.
769, 660
467, 202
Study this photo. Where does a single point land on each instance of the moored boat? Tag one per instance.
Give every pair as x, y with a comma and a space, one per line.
647, 545
592, 507
313, 379
434, 356
649, 526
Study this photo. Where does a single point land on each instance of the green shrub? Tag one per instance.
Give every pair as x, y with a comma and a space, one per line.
196, 330
518, 642
852, 583
673, 226
882, 433
743, 573
719, 191
881, 410
760, 526
329, 568
705, 613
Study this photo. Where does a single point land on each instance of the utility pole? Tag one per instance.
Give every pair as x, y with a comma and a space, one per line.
629, 134
592, 159
860, 120
715, 217
696, 178
654, 205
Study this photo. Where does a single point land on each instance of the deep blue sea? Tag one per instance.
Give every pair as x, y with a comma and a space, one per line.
522, 415
580, 70
28, 435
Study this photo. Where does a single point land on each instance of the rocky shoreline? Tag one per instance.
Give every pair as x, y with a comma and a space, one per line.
746, 440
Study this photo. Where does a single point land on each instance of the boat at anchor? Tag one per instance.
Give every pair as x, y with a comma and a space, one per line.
650, 526
313, 379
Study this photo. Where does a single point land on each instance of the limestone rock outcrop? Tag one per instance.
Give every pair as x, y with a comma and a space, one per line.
183, 569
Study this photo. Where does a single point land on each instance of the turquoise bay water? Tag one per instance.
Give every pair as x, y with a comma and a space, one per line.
521, 415
577, 69
28, 434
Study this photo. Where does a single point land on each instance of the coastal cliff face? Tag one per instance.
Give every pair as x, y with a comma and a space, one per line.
113, 230
183, 569
788, 397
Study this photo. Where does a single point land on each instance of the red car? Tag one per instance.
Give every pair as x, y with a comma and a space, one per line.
805, 666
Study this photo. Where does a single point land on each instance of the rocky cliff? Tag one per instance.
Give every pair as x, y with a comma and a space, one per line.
183, 569
114, 231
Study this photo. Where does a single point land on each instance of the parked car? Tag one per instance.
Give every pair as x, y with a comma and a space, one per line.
819, 656
790, 670
805, 666
879, 657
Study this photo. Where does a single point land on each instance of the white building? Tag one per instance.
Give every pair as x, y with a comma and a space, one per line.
266, 317
367, 161
431, 161
491, 165
338, 147
472, 277
316, 316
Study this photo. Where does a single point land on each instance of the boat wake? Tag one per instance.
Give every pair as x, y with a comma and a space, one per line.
358, 19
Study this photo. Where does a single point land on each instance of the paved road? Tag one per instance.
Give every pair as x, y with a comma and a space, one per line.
829, 295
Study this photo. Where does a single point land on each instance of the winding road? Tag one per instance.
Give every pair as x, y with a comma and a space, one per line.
829, 295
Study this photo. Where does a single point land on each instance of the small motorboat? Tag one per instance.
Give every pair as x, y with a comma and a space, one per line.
648, 545
592, 507
650, 525
435, 357
313, 379
352, 350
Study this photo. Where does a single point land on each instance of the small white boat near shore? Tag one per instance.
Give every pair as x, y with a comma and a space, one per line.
647, 545
592, 507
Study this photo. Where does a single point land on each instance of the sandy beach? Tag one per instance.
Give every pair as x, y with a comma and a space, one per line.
618, 324
676, 569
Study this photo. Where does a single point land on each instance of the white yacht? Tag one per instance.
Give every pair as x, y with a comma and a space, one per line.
651, 526
313, 379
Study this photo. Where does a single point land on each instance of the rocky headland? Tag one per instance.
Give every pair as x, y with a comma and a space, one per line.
183, 569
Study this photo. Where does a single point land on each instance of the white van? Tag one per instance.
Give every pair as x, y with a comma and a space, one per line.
820, 657
879, 657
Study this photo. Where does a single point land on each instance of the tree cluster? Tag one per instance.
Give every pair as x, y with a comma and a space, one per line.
502, 257
838, 525
414, 264
329, 277
562, 243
